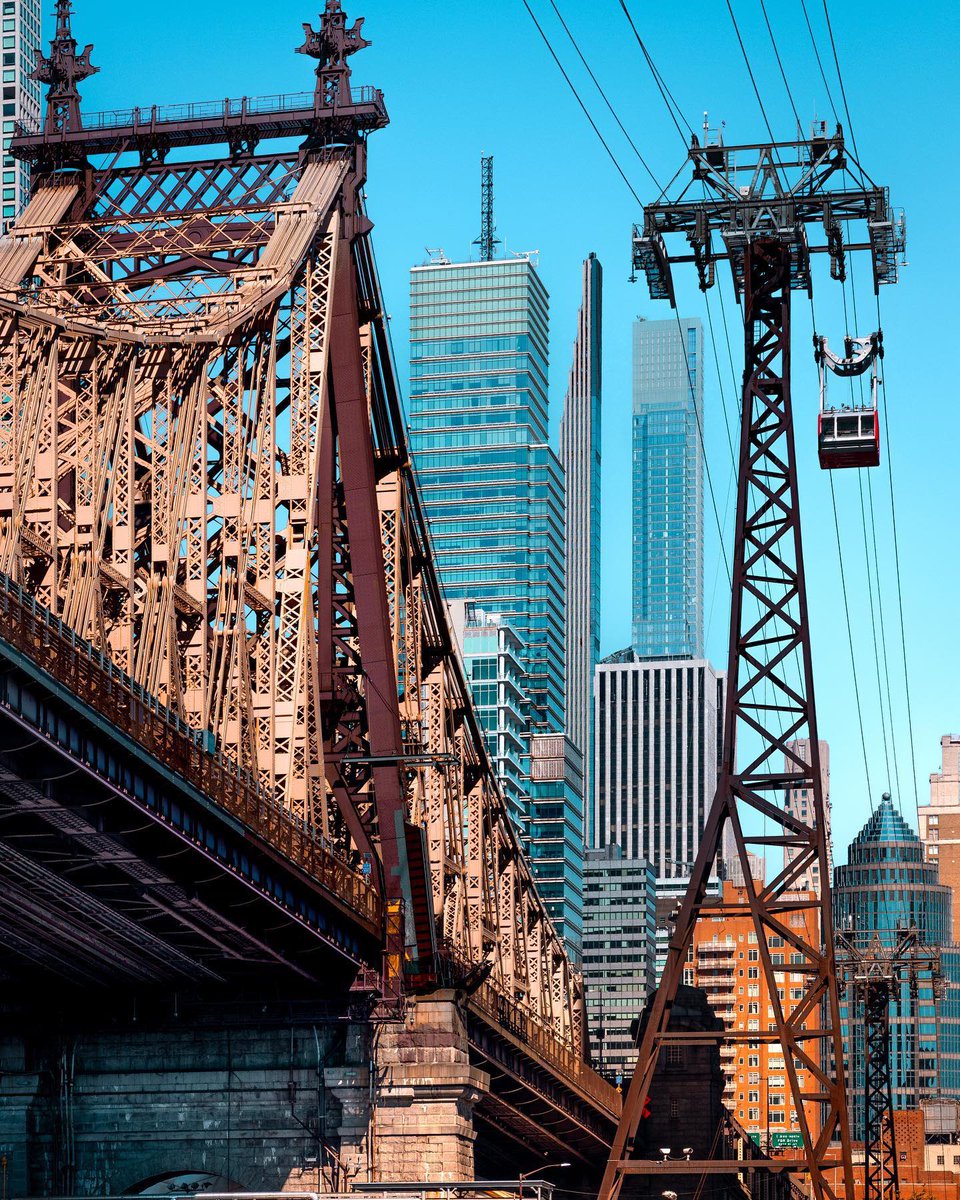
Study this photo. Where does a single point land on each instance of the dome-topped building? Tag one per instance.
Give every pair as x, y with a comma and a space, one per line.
887, 884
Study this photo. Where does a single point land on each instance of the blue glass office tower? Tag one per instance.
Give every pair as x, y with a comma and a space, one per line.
492, 486
668, 488
886, 885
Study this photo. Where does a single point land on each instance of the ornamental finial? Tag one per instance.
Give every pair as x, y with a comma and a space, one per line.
332, 45
63, 70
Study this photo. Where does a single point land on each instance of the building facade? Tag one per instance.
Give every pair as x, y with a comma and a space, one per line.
887, 885
554, 836
668, 488
619, 927
940, 820
725, 962
21, 95
493, 660
580, 456
799, 802
657, 754
491, 485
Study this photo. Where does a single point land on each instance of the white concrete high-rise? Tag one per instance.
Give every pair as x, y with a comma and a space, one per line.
21, 95
657, 753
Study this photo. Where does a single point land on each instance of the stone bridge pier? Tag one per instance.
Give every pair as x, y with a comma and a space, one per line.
249, 1093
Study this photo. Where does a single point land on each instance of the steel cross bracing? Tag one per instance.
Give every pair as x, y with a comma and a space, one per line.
204, 474
761, 200
781, 190
768, 633
875, 974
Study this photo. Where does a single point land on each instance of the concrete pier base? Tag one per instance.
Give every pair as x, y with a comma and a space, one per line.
426, 1091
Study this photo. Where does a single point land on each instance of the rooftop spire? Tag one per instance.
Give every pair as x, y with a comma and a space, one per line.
63, 70
332, 45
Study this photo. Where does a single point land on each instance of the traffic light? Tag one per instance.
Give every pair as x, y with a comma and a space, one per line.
645, 1111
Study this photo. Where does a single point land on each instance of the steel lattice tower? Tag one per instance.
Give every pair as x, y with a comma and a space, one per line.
759, 201
874, 976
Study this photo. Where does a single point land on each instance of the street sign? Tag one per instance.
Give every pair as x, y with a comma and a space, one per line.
786, 1141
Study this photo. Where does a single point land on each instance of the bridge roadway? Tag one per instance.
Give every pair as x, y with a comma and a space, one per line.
137, 863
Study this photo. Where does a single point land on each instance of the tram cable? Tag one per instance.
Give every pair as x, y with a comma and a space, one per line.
746, 59
603, 96
886, 430
624, 177
816, 51
783, 73
665, 92
586, 112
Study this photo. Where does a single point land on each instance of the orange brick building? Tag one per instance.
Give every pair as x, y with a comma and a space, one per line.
725, 961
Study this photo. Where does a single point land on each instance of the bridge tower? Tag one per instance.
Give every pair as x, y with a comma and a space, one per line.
213, 554
752, 207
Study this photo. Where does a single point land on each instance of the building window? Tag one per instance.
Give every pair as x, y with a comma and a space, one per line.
674, 1056
674, 1109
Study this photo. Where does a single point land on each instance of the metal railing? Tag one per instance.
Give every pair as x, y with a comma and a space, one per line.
228, 110
529, 1028
91, 676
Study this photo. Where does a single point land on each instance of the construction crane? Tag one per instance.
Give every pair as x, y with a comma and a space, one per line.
875, 972
766, 209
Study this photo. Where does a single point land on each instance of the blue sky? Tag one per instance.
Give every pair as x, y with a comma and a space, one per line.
463, 79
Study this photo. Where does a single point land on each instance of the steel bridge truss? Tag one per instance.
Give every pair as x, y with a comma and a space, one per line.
204, 474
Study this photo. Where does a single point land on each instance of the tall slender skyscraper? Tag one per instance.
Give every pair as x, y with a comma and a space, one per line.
580, 455
21, 94
668, 488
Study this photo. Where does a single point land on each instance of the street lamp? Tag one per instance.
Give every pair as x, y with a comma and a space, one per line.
665, 1151
524, 1175
546, 1167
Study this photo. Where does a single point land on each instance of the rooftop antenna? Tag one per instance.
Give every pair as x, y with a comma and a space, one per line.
486, 241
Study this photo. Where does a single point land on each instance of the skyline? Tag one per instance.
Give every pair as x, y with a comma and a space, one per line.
411, 153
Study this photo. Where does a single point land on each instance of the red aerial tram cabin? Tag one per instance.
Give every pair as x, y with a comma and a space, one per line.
849, 437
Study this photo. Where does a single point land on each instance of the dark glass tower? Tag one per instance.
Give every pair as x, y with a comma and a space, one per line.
887, 885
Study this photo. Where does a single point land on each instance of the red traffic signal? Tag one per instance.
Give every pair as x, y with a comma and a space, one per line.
645, 1111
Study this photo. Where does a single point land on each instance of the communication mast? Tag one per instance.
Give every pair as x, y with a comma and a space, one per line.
756, 207
487, 241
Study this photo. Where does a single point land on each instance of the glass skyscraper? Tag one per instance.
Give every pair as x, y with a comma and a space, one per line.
493, 490
886, 886
491, 485
667, 488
